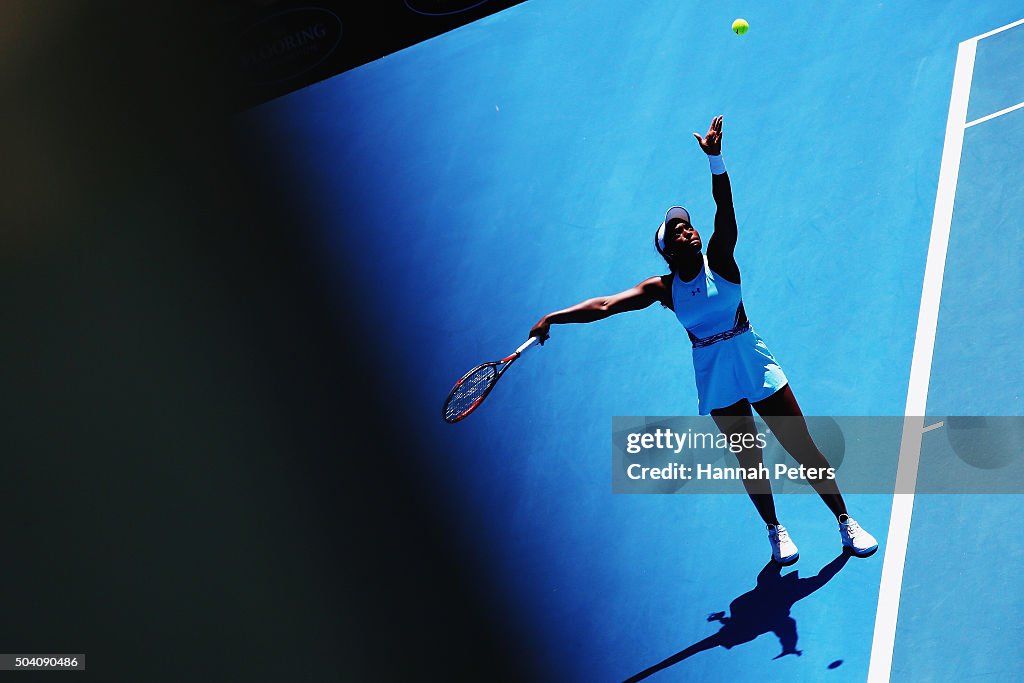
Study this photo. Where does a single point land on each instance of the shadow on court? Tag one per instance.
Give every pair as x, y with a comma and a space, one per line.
764, 609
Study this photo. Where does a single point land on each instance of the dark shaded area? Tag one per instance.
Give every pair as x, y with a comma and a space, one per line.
276, 46
764, 609
192, 486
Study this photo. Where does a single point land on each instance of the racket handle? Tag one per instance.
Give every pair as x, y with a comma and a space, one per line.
526, 344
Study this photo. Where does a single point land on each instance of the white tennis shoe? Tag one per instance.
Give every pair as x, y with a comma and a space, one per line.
860, 542
784, 551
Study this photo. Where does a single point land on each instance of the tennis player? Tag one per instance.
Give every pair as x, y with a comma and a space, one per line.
733, 366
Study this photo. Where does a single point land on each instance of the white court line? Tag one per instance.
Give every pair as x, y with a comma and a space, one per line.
884, 639
983, 119
934, 426
998, 30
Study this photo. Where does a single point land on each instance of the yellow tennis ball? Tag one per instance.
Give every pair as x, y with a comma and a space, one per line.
740, 26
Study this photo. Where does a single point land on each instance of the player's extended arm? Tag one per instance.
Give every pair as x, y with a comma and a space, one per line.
723, 242
725, 215
641, 296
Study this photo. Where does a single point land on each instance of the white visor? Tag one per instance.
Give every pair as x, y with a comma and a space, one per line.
674, 212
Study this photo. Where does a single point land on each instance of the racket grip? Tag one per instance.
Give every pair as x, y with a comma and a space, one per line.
526, 344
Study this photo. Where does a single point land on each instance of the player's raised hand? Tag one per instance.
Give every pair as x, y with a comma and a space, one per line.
711, 144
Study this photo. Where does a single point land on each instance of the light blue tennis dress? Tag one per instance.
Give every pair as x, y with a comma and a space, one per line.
730, 360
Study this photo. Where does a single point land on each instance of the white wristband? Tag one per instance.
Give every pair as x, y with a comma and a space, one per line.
717, 165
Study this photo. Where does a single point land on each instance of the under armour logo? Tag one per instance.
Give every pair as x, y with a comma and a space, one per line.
695, 292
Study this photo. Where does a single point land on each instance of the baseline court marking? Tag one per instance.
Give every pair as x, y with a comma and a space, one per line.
883, 641
983, 119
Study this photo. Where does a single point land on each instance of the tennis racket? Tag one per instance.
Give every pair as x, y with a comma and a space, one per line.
470, 391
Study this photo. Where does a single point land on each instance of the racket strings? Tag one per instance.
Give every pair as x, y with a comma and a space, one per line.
470, 391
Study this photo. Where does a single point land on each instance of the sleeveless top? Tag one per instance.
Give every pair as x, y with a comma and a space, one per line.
709, 307
730, 360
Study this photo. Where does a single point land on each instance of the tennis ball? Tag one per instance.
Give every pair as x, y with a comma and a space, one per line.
740, 26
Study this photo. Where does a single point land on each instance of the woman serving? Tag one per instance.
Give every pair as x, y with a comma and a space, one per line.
732, 364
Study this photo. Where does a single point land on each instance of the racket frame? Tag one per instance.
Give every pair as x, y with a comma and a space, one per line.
500, 367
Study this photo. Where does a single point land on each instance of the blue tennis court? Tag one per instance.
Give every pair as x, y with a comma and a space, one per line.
521, 163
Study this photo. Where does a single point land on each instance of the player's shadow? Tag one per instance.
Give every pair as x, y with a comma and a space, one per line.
765, 609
